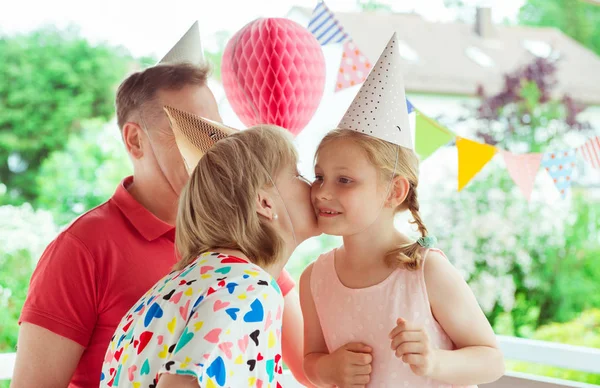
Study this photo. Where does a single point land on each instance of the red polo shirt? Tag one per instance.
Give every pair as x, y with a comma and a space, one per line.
95, 270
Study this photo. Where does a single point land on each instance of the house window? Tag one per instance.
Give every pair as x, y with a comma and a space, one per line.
538, 48
479, 57
407, 52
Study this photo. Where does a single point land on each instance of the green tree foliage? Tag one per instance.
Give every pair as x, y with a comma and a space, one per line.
215, 59
578, 19
373, 5
51, 80
85, 173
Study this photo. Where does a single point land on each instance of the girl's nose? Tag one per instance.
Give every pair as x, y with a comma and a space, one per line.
321, 190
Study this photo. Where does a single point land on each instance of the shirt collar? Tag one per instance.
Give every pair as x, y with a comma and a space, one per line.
146, 223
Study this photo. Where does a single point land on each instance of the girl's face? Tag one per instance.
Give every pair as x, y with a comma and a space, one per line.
347, 194
295, 194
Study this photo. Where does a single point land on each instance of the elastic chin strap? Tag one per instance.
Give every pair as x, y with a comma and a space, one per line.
388, 191
250, 103
162, 170
286, 209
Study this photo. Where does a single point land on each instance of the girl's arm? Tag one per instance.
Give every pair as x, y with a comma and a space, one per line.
477, 359
315, 348
292, 338
350, 365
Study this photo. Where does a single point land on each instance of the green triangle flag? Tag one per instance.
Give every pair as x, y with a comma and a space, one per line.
430, 136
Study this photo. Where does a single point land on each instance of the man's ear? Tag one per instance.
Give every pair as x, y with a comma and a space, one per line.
133, 138
264, 205
399, 192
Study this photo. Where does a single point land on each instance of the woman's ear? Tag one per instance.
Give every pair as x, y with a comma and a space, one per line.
399, 192
264, 205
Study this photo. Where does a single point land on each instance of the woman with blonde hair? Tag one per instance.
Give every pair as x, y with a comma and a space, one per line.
216, 320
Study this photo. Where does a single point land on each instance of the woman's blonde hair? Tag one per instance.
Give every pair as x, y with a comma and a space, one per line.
217, 207
391, 161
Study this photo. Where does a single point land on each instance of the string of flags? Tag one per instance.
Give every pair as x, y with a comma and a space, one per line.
429, 135
522, 168
354, 65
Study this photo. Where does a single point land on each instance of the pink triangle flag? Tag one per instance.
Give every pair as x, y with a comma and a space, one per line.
590, 151
523, 169
354, 67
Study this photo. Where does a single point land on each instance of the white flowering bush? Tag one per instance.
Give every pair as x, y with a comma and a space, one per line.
23, 228
511, 252
24, 234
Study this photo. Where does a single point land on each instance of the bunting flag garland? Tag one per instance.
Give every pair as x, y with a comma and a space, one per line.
325, 27
430, 136
522, 170
354, 67
560, 166
590, 151
472, 157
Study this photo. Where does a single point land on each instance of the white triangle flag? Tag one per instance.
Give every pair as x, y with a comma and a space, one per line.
379, 109
187, 49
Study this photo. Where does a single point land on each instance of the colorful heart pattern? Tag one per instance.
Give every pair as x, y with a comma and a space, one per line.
216, 319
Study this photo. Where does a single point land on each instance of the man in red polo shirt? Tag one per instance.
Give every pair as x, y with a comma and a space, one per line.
100, 265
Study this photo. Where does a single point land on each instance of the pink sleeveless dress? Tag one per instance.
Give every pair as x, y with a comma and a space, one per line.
368, 315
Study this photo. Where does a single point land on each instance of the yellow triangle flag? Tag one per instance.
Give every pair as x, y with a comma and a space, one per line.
472, 156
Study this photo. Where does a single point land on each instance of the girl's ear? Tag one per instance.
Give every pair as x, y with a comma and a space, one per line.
264, 205
399, 192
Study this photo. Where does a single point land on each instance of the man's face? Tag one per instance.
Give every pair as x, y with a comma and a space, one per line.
167, 161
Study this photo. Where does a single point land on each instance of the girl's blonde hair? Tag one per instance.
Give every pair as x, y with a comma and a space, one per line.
391, 161
217, 207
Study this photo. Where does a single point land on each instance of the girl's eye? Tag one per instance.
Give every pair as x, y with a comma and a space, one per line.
318, 178
345, 180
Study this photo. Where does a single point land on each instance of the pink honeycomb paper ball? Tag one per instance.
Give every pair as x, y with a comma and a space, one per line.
273, 72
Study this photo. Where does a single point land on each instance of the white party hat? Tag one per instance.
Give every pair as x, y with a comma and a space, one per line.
379, 109
187, 49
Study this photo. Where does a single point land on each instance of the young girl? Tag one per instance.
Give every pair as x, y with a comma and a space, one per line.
382, 310
216, 320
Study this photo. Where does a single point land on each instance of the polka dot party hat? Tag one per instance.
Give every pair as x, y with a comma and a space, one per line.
379, 109
194, 135
187, 49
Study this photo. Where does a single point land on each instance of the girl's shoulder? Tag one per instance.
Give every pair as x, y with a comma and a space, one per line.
327, 255
440, 276
434, 260
316, 269
319, 264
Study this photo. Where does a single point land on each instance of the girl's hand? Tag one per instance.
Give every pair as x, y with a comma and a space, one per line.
411, 344
350, 365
